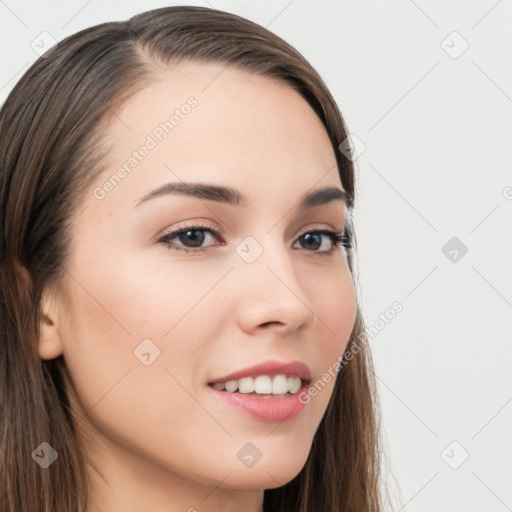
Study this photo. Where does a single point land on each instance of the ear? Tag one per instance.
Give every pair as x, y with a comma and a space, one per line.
50, 337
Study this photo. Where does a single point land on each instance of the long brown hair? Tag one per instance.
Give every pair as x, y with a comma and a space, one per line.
50, 152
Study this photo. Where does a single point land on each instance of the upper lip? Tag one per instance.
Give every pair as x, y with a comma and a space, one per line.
293, 368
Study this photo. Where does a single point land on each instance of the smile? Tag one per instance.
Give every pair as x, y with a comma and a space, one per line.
261, 385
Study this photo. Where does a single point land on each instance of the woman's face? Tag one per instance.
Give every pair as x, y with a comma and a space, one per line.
149, 327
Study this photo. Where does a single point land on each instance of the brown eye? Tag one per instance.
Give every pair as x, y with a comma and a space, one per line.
189, 238
312, 240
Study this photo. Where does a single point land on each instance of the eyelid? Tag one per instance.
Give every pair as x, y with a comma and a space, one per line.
181, 226
314, 227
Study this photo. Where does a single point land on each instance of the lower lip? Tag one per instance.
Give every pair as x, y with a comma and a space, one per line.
265, 408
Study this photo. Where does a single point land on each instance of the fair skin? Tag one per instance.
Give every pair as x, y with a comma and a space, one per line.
160, 440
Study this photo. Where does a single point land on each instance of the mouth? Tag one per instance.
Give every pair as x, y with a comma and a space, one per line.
262, 405
262, 386
272, 391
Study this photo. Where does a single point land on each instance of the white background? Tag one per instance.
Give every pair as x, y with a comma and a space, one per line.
437, 132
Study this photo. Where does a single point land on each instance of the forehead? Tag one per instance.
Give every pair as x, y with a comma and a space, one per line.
217, 123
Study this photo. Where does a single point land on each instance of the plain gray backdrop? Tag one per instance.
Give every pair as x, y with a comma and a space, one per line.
426, 91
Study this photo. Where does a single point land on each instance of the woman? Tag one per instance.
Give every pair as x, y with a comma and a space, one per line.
180, 327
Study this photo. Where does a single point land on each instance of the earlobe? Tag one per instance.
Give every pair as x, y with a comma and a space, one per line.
50, 341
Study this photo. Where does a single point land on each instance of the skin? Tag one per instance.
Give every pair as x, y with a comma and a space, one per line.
159, 439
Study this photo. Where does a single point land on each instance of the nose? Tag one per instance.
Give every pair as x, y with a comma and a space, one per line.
270, 292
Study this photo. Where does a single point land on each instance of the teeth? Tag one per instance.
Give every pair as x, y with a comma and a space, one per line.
246, 385
280, 385
262, 384
295, 385
231, 386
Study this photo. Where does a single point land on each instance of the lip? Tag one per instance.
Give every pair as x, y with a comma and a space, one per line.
265, 408
270, 368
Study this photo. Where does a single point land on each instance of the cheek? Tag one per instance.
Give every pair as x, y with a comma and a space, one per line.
148, 408
336, 309
120, 297
136, 332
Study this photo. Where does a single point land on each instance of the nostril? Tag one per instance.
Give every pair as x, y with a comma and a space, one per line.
270, 323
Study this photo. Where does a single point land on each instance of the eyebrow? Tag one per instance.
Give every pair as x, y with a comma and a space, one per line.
234, 197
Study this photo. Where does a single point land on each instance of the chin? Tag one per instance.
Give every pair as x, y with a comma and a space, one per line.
274, 472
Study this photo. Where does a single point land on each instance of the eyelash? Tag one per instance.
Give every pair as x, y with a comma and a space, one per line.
339, 241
